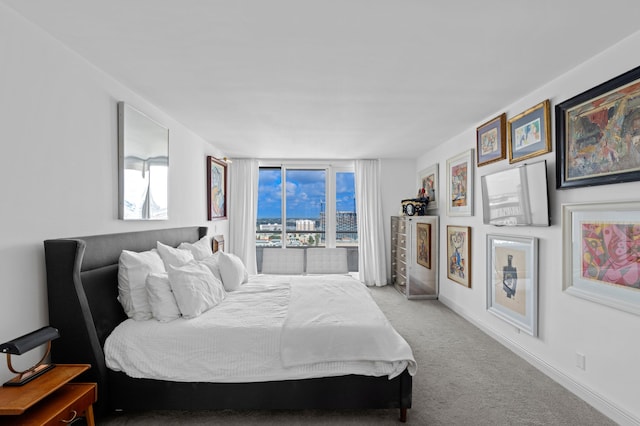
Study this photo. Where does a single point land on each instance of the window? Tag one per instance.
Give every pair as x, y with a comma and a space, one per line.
306, 206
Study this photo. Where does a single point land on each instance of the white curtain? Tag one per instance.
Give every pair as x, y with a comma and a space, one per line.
243, 207
372, 265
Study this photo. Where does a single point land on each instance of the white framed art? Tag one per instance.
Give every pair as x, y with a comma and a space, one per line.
428, 183
512, 280
601, 253
460, 184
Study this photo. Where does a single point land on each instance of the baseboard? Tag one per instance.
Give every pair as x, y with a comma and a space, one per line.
600, 403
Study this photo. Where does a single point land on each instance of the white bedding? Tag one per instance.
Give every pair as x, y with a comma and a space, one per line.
272, 328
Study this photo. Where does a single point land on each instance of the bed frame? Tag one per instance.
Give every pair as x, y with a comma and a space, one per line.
82, 282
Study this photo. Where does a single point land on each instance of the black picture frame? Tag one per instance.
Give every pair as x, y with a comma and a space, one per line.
598, 134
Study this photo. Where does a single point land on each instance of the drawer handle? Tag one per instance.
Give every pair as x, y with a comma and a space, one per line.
75, 414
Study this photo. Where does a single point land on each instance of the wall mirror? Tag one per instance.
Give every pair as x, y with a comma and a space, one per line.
143, 166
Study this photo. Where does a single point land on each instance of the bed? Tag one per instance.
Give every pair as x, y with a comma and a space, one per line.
82, 282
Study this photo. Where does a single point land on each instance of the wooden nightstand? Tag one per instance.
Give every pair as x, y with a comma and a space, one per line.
50, 399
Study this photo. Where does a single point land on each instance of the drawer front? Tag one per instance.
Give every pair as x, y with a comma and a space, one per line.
74, 409
70, 401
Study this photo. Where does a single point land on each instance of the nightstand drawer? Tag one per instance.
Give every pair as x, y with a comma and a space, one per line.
70, 401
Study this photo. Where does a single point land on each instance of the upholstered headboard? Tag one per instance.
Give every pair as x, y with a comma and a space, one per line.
82, 287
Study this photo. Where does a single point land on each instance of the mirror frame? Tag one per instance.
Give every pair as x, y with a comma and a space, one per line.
141, 135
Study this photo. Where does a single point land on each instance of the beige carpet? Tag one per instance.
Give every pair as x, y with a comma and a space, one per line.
464, 378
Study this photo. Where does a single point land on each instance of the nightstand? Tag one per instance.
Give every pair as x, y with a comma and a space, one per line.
50, 399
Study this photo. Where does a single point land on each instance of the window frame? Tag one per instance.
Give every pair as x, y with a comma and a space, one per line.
331, 168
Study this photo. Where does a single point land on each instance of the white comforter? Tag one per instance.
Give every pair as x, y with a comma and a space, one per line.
273, 328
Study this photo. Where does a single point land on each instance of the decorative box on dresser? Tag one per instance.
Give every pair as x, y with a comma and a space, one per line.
414, 256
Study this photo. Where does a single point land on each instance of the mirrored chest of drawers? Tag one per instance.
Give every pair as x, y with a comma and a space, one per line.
414, 256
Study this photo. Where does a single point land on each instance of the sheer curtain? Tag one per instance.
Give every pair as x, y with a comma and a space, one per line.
372, 264
243, 207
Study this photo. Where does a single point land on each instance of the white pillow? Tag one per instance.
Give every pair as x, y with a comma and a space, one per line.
201, 249
133, 269
173, 256
163, 303
213, 263
195, 288
232, 271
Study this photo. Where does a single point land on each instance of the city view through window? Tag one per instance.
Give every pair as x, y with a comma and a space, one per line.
307, 208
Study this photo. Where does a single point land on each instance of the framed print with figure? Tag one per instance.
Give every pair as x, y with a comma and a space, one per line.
512, 280
460, 184
459, 254
428, 184
423, 244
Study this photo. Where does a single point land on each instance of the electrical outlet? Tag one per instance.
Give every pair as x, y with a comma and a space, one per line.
581, 361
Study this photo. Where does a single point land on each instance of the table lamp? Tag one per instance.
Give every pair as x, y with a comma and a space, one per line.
24, 344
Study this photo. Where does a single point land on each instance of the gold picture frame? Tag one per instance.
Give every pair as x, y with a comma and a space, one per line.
530, 132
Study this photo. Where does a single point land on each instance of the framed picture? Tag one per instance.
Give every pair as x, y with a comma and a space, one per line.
530, 133
460, 184
428, 182
459, 254
423, 244
601, 253
216, 189
598, 134
512, 280
491, 140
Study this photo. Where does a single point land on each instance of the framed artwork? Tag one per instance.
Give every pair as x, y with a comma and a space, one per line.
216, 189
491, 140
428, 184
423, 244
460, 184
601, 253
459, 254
530, 133
512, 280
598, 134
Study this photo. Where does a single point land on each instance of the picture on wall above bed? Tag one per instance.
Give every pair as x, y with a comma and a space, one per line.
216, 189
598, 134
143, 166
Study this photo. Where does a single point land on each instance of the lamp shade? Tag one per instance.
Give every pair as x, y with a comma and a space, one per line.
29, 341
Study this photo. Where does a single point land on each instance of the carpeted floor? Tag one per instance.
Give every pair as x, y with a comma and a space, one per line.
464, 378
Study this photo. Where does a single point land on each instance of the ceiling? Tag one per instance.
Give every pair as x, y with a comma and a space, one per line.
337, 79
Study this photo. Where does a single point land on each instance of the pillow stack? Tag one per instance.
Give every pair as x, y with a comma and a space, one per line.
166, 283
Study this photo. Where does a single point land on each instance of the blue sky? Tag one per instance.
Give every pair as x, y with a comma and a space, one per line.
305, 193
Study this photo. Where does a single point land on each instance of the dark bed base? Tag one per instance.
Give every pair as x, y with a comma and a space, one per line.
82, 282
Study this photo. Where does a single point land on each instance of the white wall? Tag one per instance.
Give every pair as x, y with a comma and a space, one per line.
58, 166
608, 337
398, 183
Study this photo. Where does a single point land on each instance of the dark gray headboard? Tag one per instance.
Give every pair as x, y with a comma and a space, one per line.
82, 286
